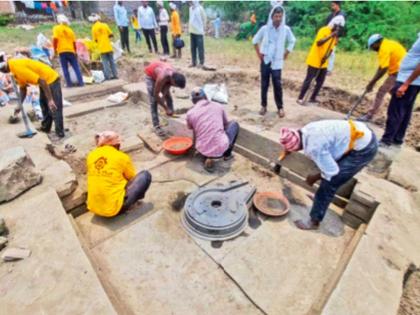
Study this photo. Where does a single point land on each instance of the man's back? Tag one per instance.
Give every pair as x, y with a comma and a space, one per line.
208, 120
390, 55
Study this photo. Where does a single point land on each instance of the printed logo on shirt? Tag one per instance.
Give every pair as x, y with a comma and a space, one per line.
100, 163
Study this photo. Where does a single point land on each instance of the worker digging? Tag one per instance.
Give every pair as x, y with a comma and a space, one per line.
183, 183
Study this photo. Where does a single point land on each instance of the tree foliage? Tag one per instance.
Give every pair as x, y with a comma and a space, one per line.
399, 20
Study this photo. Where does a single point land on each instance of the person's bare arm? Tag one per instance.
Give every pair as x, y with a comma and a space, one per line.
325, 39
161, 81
47, 91
379, 74
257, 50
403, 88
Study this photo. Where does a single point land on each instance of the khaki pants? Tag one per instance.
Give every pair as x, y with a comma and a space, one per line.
383, 90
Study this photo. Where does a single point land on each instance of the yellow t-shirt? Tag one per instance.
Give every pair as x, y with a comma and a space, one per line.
28, 71
108, 171
135, 22
318, 52
390, 55
175, 24
100, 34
65, 37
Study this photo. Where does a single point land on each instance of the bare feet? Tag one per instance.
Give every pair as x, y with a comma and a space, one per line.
209, 165
307, 224
300, 102
263, 110
281, 113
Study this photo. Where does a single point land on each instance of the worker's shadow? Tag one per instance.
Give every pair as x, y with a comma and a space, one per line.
127, 218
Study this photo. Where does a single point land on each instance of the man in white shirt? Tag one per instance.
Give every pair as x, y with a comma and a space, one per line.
339, 148
121, 19
148, 24
196, 27
163, 24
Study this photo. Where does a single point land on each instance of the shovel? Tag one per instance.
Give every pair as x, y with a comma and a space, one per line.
29, 132
358, 101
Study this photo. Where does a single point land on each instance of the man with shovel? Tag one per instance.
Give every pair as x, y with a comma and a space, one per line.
339, 148
324, 43
390, 55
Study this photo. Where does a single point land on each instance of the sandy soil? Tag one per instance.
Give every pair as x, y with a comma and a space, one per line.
410, 300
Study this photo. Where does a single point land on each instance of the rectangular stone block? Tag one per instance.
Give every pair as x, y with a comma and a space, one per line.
75, 199
363, 197
351, 220
360, 210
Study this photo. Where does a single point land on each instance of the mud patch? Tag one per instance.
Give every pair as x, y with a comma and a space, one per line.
178, 203
410, 299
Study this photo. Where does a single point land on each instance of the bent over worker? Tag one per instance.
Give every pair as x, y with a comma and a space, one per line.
113, 185
390, 55
28, 71
160, 76
214, 135
339, 148
323, 45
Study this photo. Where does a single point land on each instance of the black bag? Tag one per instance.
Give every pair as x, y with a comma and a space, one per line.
179, 43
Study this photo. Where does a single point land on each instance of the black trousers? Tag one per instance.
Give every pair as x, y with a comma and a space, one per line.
399, 114
266, 72
48, 115
124, 37
136, 189
149, 34
313, 73
197, 45
164, 39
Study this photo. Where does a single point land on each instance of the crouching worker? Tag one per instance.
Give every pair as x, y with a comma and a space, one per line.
113, 186
214, 135
160, 76
339, 148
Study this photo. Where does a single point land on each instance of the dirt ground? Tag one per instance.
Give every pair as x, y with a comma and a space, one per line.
410, 300
243, 87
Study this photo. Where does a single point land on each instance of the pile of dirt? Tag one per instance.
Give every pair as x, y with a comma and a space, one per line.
410, 300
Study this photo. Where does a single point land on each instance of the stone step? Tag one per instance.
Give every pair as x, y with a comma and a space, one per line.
57, 278
84, 108
96, 90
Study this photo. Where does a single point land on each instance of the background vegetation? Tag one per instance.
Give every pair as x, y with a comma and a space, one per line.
398, 20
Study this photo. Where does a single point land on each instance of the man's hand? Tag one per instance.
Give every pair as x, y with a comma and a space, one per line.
52, 106
286, 54
401, 90
369, 87
168, 111
261, 56
311, 179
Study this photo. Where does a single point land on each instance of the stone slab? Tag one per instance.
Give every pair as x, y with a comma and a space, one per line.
75, 199
163, 272
131, 143
360, 210
57, 278
94, 90
85, 108
17, 173
352, 220
400, 174
61, 177
283, 268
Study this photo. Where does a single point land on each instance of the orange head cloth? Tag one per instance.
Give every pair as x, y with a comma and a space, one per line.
290, 139
107, 138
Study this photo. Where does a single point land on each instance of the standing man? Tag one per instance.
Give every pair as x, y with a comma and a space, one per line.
112, 183
176, 30
64, 42
403, 97
160, 76
214, 135
148, 24
217, 24
335, 11
323, 45
270, 45
390, 55
196, 27
163, 24
121, 19
339, 148
136, 26
32, 72
101, 34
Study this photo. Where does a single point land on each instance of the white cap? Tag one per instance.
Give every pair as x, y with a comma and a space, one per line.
62, 19
94, 17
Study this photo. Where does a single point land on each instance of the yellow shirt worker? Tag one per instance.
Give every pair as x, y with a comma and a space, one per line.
176, 29
101, 34
325, 41
390, 55
64, 41
28, 71
113, 185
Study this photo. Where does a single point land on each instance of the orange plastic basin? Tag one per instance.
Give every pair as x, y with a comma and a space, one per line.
177, 145
271, 203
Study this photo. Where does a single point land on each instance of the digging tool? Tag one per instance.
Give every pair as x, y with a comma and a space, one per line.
276, 166
358, 101
30, 132
327, 54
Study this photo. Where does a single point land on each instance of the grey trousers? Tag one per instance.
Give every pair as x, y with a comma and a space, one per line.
150, 84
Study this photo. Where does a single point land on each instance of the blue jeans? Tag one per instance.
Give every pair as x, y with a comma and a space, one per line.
197, 45
67, 58
232, 131
266, 71
108, 63
138, 35
350, 164
136, 189
150, 84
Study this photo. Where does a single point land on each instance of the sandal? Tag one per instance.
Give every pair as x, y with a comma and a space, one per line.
159, 131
